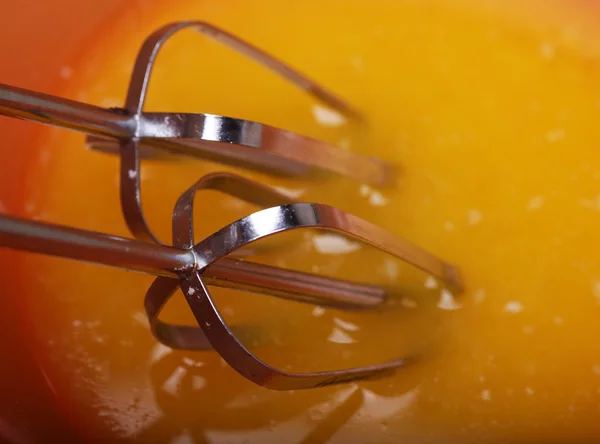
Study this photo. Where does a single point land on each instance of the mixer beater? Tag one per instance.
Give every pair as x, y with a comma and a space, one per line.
216, 260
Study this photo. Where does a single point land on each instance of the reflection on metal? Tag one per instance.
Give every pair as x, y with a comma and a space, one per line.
194, 265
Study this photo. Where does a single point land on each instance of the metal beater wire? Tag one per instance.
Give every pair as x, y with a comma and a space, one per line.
193, 266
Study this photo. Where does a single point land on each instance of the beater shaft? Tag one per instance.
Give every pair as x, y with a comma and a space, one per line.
57, 111
237, 142
161, 260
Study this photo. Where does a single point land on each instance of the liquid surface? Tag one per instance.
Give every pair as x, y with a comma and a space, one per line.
491, 113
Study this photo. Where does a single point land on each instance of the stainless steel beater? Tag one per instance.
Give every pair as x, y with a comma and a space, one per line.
192, 265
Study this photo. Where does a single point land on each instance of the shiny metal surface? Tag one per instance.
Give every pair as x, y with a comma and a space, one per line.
213, 329
195, 265
306, 215
134, 255
151, 47
192, 265
217, 138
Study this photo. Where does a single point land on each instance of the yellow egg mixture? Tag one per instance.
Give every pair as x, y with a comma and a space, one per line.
491, 116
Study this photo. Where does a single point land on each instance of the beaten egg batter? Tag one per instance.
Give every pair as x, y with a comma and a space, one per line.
491, 114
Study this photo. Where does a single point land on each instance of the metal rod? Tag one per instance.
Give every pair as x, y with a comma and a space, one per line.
89, 246
38, 107
94, 247
227, 140
103, 126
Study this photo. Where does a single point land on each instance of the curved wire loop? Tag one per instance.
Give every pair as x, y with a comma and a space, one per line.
192, 338
186, 337
231, 184
278, 147
232, 131
148, 53
213, 328
179, 336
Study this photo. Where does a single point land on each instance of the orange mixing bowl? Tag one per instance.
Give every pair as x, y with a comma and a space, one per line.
507, 86
37, 37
